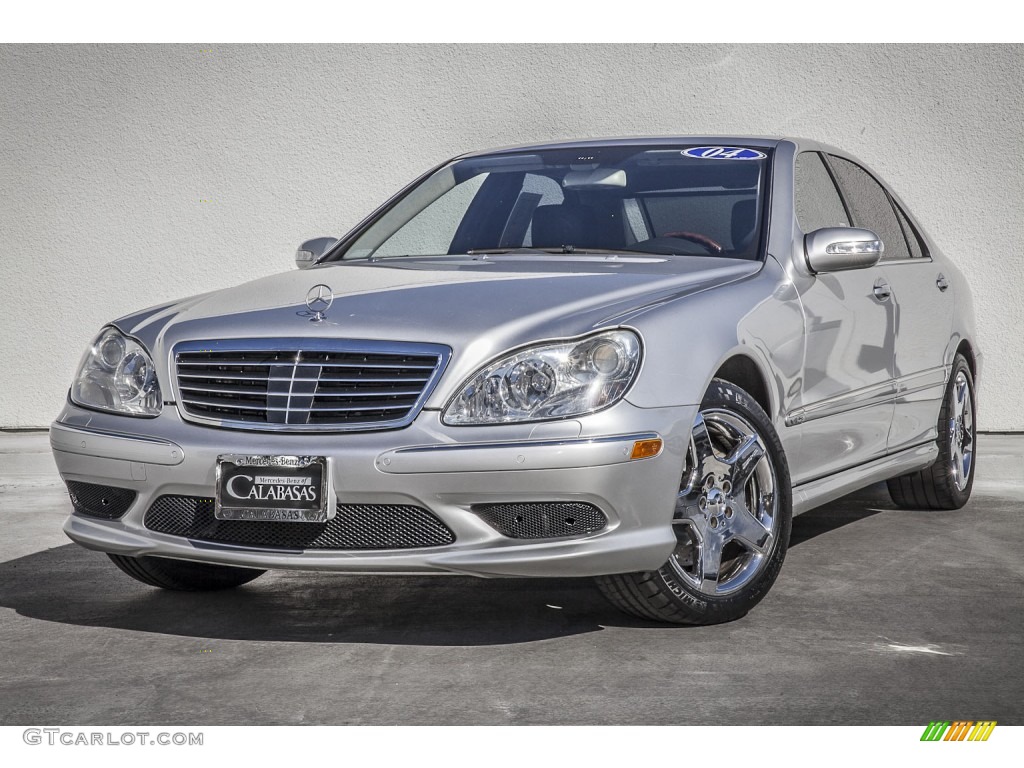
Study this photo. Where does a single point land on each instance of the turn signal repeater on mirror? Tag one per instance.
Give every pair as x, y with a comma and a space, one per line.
856, 247
646, 449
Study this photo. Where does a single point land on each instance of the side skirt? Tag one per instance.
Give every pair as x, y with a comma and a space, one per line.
817, 492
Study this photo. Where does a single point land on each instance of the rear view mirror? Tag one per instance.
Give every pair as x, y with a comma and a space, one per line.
595, 177
311, 250
835, 249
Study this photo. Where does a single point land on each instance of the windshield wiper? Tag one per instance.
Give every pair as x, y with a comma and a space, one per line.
519, 249
562, 250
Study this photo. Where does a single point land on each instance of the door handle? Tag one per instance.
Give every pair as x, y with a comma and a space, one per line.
942, 282
882, 290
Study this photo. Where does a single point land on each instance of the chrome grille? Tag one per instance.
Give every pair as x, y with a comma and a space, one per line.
305, 384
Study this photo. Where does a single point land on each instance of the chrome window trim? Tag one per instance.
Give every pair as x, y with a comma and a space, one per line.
311, 344
898, 262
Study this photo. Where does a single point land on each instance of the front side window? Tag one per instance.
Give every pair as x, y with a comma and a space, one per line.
655, 200
871, 207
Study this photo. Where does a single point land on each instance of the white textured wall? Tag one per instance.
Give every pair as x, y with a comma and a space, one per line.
134, 174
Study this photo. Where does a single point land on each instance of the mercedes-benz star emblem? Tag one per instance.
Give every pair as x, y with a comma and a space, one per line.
318, 301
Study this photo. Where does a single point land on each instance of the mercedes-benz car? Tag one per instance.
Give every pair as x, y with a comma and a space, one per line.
629, 359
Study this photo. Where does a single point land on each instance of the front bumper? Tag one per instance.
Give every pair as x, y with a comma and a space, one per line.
442, 469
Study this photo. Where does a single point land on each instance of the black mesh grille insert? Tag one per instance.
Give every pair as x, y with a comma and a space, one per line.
356, 526
543, 519
102, 501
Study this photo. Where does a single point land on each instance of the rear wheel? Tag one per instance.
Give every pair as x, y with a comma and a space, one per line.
947, 483
732, 520
183, 575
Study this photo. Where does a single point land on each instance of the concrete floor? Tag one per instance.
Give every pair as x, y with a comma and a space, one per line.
880, 616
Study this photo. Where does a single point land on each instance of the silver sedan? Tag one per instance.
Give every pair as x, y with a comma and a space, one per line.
629, 359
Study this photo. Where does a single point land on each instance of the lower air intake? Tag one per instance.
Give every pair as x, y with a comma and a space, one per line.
102, 501
542, 520
356, 526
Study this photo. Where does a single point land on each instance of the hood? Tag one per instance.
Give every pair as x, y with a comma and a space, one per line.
477, 306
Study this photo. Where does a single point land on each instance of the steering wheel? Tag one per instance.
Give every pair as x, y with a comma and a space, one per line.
713, 246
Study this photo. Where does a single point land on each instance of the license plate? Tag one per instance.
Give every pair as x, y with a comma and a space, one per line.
273, 488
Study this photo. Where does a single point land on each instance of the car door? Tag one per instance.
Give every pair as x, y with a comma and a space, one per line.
924, 322
923, 302
849, 318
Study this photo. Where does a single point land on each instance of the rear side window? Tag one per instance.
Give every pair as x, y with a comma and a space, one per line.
871, 207
818, 203
917, 249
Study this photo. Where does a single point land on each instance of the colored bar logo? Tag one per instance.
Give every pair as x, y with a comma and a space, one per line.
960, 730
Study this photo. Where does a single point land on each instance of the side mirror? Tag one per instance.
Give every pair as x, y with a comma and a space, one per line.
834, 249
311, 250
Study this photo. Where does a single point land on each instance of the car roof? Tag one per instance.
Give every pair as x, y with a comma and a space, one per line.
640, 141
796, 144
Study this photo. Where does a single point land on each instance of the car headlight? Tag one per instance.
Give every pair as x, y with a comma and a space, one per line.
550, 381
117, 374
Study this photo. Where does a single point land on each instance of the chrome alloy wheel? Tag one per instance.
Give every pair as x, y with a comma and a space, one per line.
961, 431
726, 516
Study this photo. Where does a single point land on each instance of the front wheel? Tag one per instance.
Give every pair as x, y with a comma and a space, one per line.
732, 520
183, 575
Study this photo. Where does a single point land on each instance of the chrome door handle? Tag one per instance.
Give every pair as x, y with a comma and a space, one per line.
882, 290
942, 282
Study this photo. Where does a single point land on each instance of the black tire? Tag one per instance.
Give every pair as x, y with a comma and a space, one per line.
183, 575
938, 486
665, 595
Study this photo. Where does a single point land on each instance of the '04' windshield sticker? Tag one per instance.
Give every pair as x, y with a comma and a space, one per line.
724, 153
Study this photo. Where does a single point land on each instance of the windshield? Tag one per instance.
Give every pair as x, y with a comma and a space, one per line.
664, 200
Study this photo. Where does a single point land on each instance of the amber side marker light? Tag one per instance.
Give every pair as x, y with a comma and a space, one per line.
645, 449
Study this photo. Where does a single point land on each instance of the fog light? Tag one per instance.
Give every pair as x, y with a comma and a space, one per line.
645, 449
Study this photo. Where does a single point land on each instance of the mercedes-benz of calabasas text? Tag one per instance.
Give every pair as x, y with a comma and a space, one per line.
632, 360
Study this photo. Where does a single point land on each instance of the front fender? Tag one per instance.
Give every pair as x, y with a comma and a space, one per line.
687, 340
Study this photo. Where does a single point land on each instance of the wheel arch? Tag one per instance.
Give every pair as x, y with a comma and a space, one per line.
966, 349
741, 369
